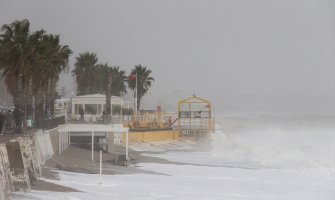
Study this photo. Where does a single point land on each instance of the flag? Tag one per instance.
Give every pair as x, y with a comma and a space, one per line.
132, 77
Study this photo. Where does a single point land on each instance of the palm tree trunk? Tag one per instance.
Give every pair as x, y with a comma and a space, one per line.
138, 103
38, 108
108, 94
17, 96
29, 100
46, 102
52, 97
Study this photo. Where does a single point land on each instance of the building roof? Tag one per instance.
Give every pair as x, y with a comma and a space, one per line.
96, 99
94, 96
118, 128
194, 99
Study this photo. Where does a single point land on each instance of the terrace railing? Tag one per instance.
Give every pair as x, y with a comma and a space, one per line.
95, 119
53, 122
143, 121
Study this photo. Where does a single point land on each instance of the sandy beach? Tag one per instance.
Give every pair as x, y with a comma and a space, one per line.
178, 170
78, 160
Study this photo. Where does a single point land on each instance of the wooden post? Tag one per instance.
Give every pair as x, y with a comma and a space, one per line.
127, 145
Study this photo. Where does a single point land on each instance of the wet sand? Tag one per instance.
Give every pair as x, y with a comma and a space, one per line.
47, 186
79, 160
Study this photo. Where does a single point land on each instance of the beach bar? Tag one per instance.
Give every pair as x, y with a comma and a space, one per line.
93, 105
113, 134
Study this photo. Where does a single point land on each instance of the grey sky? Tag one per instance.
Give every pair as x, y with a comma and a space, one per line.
244, 55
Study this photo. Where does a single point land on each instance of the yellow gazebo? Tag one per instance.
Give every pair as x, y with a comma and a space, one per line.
195, 118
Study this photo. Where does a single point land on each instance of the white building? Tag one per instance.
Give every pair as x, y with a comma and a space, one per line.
95, 104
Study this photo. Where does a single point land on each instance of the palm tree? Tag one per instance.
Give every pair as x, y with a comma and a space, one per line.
116, 84
119, 80
17, 55
85, 71
144, 81
54, 60
112, 83
30, 64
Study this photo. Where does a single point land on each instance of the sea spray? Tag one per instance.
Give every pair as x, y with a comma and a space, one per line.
277, 142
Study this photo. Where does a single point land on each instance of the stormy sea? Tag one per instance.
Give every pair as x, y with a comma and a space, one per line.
251, 157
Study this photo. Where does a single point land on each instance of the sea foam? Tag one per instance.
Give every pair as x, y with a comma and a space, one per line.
277, 142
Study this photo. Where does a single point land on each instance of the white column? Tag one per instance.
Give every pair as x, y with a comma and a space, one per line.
69, 139
100, 168
92, 145
60, 143
127, 145
72, 109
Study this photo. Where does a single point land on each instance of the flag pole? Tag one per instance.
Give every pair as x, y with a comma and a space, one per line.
136, 95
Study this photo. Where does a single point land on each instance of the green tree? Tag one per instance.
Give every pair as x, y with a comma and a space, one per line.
112, 82
31, 64
54, 60
119, 80
17, 59
144, 81
85, 72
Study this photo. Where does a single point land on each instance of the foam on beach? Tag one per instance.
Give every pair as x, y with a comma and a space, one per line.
278, 142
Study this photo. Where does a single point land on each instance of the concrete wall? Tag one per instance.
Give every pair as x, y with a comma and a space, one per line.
54, 140
151, 136
6, 184
43, 145
21, 160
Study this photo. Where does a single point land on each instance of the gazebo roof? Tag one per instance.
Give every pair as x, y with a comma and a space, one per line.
194, 99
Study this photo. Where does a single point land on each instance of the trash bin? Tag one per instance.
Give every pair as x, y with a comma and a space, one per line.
29, 121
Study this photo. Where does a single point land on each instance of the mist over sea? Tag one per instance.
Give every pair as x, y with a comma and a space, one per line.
290, 142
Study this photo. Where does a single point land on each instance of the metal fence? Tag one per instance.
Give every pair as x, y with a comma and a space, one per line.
95, 119
53, 122
137, 121
151, 121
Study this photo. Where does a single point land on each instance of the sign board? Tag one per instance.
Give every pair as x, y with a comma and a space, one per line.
118, 138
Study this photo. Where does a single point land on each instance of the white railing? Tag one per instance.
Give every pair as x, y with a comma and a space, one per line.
95, 119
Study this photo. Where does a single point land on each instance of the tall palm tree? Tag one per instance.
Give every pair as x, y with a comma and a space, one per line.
112, 82
144, 81
31, 64
85, 73
119, 80
17, 54
54, 59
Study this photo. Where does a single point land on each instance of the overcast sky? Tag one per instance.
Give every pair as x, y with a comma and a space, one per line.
249, 56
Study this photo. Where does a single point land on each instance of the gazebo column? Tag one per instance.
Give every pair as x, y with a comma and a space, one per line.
69, 135
72, 109
92, 145
60, 143
63, 141
67, 140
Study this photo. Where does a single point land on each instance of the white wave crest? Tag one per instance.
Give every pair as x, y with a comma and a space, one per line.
280, 142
